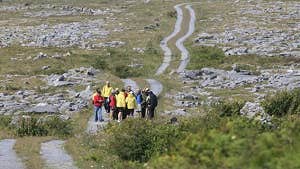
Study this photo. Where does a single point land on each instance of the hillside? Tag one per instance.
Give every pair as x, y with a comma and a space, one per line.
226, 75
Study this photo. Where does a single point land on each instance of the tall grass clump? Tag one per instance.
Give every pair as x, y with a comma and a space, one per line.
51, 126
283, 103
228, 108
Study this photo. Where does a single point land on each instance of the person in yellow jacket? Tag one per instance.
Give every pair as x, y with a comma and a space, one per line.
121, 104
106, 92
131, 103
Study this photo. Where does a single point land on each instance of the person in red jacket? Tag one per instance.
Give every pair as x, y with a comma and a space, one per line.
98, 101
112, 105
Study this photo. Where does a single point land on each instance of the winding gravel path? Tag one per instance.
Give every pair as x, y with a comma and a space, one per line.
132, 83
164, 42
55, 156
179, 43
8, 157
155, 86
93, 126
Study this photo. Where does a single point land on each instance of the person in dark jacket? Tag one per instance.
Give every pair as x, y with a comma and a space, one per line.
151, 101
144, 103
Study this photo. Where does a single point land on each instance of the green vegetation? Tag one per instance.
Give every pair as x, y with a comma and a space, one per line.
229, 108
220, 139
37, 126
142, 139
203, 56
206, 57
283, 103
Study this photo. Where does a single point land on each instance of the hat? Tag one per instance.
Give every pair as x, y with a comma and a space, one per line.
131, 92
117, 89
147, 89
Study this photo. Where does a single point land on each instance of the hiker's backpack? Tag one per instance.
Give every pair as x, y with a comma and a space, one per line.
153, 98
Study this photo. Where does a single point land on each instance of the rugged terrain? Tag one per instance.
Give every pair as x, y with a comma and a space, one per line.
192, 55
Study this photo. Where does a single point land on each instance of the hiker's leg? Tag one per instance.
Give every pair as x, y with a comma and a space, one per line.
120, 116
152, 112
111, 114
143, 112
106, 106
100, 114
95, 112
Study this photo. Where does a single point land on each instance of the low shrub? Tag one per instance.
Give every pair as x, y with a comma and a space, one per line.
234, 142
52, 126
283, 103
139, 140
5, 121
227, 108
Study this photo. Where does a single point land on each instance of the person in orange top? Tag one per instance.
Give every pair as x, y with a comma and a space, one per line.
98, 101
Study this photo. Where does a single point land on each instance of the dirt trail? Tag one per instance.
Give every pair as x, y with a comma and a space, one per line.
8, 157
155, 86
164, 42
179, 43
93, 126
55, 156
132, 83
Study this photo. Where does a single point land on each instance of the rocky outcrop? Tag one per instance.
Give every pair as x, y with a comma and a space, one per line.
58, 101
257, 27
43, 108
255, 111
83, 34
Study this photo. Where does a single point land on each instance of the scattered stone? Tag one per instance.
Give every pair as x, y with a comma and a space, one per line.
46, 67
43, 108
152, 26
251, 110
80, 34
139, 50
255, 29
40, 56
178, 112
112, 44
86, 94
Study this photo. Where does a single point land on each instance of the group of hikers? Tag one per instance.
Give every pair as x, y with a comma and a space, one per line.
120, 104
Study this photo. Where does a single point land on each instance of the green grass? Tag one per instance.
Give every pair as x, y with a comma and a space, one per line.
202, 56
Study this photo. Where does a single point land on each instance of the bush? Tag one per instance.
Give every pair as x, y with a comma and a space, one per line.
139, 140
126, 71
234, 142
226, 108
100, 63
5, 121
283, 103
53, 126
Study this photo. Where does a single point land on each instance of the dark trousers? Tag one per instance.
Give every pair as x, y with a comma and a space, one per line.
143, 111
130, 112
106, 105
151, 112
114, 113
